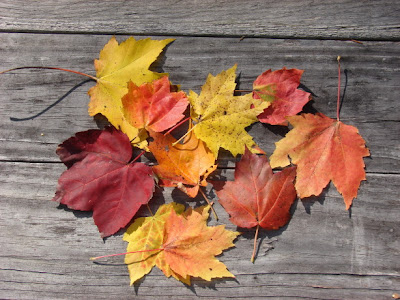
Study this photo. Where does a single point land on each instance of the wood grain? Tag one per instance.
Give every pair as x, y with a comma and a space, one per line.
323, 253
339, 19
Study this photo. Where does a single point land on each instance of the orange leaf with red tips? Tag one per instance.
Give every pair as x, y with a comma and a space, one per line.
153, 106
185, 165
323, 149
280, 88
257, 196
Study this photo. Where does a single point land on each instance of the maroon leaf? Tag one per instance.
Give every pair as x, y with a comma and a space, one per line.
100, 178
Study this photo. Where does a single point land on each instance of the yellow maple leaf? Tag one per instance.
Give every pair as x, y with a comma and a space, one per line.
179, 243
221, 118
117, 65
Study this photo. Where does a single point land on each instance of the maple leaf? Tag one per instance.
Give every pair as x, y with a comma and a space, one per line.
144, 234
257, 196
153, 106
119, 64
280, 88
185, 165
323, 149
186, 246
100, 178
220, 118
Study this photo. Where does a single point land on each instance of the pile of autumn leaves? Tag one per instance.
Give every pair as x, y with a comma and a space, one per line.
142, 106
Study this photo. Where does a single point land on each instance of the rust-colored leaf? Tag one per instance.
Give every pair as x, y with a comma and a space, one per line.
257, 197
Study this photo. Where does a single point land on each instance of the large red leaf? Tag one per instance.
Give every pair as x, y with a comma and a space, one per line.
280, 88
153, 106
257, 196
100, 178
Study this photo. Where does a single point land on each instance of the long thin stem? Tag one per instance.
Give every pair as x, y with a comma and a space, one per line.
52, 68
209, 203
140, 251
244, 91
183, 136
255, 244
338, 93
177, 125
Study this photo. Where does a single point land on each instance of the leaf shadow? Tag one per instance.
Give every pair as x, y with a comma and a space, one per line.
14, 119
310, 201
77, 213
158, 64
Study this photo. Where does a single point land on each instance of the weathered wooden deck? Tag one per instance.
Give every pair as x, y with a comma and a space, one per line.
325, 252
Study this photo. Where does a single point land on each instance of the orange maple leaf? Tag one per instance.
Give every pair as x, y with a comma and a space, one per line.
323, 149
185, 165
190, 246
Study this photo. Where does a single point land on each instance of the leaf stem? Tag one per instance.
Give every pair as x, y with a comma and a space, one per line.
148, 207
52, 68
137, 157
338, 93
244, 91
183, 136
255, 244
177, 125
140, 251
209, 203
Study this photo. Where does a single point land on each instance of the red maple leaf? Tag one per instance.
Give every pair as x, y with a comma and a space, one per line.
257, 196
280, 88
101, 178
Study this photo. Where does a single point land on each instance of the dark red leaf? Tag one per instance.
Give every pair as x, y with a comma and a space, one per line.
100, 178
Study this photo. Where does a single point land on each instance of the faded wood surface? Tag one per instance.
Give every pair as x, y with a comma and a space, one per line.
343, 19
325, 252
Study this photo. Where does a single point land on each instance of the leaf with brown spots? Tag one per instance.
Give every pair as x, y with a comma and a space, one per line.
220, 118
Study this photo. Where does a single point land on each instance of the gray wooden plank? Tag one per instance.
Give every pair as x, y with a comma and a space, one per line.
324, 253
370, 102
339, 19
